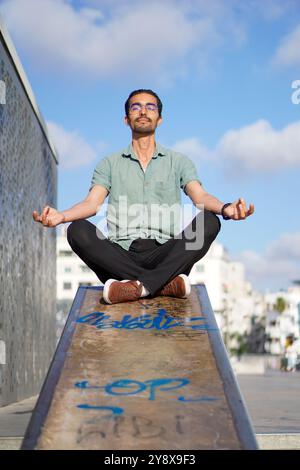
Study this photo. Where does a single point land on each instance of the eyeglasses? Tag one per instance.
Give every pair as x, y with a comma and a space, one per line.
136, 107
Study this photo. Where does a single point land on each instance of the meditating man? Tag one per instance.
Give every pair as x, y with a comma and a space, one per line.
146, 252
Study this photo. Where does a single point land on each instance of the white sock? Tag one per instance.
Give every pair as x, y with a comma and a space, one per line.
145, 291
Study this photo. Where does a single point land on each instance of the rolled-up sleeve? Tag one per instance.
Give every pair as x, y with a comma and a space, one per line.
102, 175
188, 172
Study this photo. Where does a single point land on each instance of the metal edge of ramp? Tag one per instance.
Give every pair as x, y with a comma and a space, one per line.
232, 391
44, 401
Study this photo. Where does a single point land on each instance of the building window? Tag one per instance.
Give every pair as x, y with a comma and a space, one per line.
84, 268
85, 283
67, 285
68, 270
199, 268
65, 253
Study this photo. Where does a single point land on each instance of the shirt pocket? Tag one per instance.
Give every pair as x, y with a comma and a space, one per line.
166, 191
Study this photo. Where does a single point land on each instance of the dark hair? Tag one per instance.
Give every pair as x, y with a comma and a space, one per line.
142, 90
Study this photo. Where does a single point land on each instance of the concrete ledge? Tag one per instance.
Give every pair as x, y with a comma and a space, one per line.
278, 441
10, 443
265, 441
255, 364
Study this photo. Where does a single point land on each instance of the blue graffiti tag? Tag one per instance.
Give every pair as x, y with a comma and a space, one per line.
196, 399
115, 409
126, 387
158, 321
153, 384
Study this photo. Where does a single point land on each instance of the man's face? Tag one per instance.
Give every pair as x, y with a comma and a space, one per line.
143, 117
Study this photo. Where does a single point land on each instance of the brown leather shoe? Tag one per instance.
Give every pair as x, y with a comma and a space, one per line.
122, 291
178, 287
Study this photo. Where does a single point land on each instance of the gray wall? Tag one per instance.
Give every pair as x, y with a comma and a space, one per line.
28, 180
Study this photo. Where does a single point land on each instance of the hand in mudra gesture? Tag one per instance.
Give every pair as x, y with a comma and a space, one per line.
49, 217
238, 210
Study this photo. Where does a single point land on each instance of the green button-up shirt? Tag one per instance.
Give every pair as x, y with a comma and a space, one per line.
144, 203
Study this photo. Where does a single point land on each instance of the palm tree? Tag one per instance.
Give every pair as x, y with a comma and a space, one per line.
280, 304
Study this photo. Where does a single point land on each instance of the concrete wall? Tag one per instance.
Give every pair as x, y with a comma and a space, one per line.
28, 180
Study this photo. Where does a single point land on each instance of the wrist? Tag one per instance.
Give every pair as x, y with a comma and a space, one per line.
225, 217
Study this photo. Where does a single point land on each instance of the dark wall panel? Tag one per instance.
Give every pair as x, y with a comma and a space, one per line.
28, 180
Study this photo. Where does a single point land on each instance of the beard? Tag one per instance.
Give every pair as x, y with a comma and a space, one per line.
143, 126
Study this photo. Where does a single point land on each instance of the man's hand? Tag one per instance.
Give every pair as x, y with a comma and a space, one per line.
49, 217
238, 210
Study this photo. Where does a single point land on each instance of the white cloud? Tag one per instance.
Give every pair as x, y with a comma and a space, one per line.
154, 40
193, 148
286, 247
72, 148
252, 149
141, 41
259, 148
288, 52
278, 266
92, 14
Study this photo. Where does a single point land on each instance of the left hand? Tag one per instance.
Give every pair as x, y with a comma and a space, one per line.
238, 210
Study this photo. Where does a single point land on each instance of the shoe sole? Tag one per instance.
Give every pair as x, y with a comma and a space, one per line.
187, 284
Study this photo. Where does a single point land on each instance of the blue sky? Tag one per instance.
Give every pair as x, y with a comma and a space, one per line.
224, 70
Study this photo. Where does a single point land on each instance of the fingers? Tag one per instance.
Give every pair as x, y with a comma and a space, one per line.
250, 210
44, 215
241, 208
242, 211
36, 216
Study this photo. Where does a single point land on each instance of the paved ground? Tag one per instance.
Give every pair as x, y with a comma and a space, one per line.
273, 402
15, 418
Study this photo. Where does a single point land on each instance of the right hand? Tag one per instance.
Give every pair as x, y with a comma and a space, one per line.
49, 217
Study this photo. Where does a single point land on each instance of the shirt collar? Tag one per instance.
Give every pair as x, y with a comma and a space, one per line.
129, 152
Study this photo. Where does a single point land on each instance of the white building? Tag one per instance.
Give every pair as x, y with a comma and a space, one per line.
72, 272
233, 300
212, 271
279, 326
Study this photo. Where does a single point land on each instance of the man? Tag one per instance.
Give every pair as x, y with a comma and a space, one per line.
143, 256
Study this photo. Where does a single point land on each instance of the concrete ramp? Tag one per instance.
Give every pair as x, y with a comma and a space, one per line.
152, 374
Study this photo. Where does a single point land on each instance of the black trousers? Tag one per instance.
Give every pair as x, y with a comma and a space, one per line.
148, 261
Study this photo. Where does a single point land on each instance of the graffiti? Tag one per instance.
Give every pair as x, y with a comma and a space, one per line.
129, 387
203, 398
116, 424
159, 321
134, 426
114, 409
100, 421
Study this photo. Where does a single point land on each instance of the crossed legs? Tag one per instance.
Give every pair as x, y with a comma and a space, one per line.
155, 267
